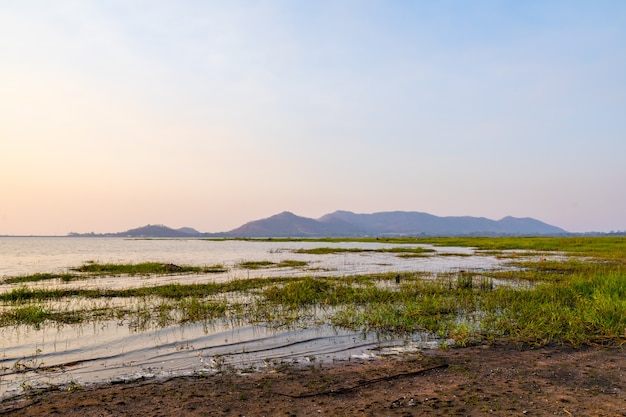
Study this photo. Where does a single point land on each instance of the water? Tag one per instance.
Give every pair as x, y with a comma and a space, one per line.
110, 351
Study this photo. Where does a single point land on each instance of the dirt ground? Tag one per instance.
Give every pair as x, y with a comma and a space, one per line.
476, 381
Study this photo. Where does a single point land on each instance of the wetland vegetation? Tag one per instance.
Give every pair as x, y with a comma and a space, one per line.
93, 269
399, 251
577, 296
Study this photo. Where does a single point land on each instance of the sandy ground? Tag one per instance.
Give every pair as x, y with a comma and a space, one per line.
476, 381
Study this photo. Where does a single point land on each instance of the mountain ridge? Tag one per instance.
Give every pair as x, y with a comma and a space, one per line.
400, 223
342, 223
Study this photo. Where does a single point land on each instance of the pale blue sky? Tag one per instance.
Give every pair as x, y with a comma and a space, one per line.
115, 114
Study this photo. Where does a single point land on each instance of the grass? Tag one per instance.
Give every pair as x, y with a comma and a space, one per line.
94, 269
41, 277
602, 247
287, 263
578, 298
400, 251
144, 268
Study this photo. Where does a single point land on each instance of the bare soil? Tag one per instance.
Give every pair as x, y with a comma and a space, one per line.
476, 381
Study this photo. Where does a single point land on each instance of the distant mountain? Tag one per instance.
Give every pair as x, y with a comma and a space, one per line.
346, 223
349, 224
288, 224
156, 230
150, 230
189, 230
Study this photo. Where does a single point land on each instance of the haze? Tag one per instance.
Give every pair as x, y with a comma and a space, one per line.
116, 114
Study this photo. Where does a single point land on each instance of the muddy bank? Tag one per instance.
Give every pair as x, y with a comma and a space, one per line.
467, 381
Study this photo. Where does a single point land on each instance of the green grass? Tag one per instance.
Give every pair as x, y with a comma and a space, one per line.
400, 251
144, 268
576, 299
256, 264
287, 263
601, 247
41, 277
93, 269
292, 263
329, 250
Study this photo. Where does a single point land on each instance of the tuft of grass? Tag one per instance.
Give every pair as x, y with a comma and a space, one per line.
144, 268
292, 263
214, 269
256, 264
33, 315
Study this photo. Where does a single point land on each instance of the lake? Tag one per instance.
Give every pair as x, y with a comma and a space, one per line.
115, 350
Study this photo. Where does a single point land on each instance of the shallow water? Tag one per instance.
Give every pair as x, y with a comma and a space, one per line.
23, 256
108, 352
112, 351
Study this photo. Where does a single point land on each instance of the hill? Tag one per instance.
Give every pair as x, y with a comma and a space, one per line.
346, 223
349, 224
150, 230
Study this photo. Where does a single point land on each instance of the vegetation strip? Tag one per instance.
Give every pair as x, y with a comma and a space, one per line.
287, 263
93, 269
398, 250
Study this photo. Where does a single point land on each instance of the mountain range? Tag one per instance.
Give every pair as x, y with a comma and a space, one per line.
348, 224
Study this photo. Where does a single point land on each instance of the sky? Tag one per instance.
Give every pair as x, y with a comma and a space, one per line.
209, 114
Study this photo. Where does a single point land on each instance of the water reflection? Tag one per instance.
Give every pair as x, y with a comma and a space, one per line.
109, 352
119, 349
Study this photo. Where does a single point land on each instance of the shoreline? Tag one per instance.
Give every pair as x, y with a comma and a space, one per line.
497, 380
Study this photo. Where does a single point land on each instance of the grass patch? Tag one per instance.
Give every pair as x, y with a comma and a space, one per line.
400, 251
329, 250
292, 263
144, 268
93, 269
42, 277
600, 247
287, 263
256, 264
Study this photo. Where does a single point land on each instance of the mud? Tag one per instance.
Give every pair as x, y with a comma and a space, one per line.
476, 381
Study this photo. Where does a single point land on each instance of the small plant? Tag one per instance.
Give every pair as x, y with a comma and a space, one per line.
291, 263
214, 269
256, 264
74, 386
465, 281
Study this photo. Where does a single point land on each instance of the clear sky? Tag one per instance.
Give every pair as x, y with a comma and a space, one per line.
115, 114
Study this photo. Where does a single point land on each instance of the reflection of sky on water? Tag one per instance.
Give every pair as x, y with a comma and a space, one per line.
112, 350
31, 255
108, 352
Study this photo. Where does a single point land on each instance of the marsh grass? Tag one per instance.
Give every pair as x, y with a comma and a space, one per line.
255, 264
287, 263
92, 269
399, 251
41, 277
573, 300
145, 268
292, 263
601, 247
